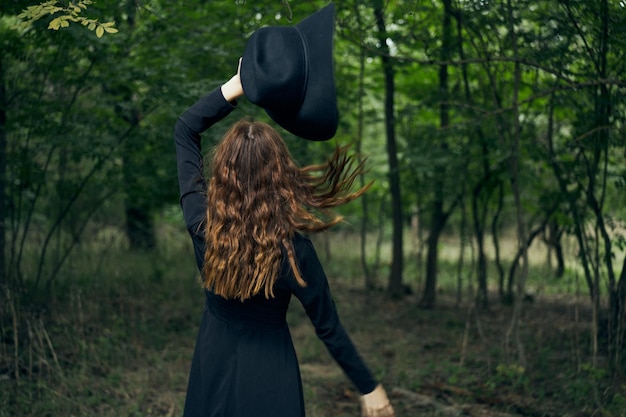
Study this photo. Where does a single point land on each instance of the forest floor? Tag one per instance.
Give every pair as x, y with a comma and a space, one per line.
118, 341
452, 361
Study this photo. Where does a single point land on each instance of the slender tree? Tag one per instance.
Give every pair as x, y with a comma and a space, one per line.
3, 171
438, 212
395, 276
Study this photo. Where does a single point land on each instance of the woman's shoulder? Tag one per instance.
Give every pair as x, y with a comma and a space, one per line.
303, 251
301, 244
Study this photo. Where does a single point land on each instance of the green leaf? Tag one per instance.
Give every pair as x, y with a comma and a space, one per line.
55, 24
99, 31
52, 10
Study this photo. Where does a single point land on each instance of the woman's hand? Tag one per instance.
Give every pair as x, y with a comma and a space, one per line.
232, 88
376, 404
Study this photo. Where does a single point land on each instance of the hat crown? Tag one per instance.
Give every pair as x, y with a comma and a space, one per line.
289, 72
279, 83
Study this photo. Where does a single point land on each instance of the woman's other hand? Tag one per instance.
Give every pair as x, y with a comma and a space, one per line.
232, 89
376, 404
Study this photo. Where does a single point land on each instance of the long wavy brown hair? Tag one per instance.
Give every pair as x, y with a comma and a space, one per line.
257, 199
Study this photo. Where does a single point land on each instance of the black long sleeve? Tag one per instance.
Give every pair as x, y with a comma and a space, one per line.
207, 111
318, 303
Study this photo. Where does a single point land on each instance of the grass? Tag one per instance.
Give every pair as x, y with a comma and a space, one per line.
118, 337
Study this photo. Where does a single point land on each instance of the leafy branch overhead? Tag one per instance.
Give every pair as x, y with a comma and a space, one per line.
63, 15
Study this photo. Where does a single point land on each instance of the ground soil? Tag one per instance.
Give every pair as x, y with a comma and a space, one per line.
131, 358
455, 360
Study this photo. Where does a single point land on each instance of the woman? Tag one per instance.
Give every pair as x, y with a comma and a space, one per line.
245, 236
245, 228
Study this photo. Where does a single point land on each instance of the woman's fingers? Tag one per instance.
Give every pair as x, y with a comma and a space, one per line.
385, 411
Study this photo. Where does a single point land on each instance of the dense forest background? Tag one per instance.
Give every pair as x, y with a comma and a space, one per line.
494, 132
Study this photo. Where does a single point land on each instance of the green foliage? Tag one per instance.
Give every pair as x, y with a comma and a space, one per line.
512, 375
88, 135
63, 15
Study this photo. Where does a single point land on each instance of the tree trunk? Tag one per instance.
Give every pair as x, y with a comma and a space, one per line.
461, 261
369, 283
478, 215
438, 215
437, 222
395, 277
3, 171
571, 199
620, 318
496, 241
513, 331
479, 219
552, 238
616, 288
138, 208
139, 228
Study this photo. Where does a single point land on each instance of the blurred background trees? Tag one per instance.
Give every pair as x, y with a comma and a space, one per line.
481, 120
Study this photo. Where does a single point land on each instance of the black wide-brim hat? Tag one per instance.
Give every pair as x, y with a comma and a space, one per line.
289, 72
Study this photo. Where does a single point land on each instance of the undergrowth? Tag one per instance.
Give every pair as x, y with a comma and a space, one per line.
117, 335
